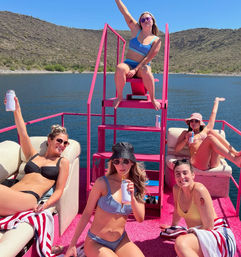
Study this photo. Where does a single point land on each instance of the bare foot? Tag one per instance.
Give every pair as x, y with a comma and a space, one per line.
117, 102
156, 104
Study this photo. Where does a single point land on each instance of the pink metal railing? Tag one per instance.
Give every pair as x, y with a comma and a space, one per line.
103, 43
237, 185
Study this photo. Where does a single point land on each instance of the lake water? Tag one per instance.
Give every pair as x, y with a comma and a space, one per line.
45, 94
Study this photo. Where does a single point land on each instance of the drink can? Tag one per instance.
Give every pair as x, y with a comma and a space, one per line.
10, 103
191, 138
125, 194
158, 121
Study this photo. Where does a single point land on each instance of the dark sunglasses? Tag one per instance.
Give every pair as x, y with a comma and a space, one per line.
61, 141
195, 121
146, 19
117, 161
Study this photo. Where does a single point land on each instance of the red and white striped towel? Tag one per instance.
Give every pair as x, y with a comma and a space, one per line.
43, 224
218, 242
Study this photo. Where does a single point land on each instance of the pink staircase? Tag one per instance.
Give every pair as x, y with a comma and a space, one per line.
98, 158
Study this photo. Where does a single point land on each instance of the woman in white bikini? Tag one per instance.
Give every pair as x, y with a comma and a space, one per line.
143, 47
207, 145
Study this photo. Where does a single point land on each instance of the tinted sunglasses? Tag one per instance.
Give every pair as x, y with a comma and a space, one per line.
117, 161
61, 141
195, 121
146, 19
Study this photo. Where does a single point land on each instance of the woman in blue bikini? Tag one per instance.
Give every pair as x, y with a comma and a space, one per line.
107, 236
143, 47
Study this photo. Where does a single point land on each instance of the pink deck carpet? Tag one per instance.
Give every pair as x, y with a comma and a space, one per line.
146, 234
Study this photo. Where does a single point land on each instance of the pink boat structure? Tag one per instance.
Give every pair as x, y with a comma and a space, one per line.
20, 241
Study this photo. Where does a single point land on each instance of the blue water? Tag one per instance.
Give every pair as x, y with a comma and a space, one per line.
46, 94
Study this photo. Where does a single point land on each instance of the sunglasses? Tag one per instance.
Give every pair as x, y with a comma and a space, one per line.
146, 19
117, 162
61, 141
195, 121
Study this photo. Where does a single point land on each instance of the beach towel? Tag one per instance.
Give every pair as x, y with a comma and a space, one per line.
218, 242
43, 224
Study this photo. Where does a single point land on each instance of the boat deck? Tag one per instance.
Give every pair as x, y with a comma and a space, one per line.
146, 234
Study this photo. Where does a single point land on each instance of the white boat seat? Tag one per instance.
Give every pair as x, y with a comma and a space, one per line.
12, 162
211, 178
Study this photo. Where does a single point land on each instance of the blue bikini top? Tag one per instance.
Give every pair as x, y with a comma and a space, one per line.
49, 172
138, 47
109, 204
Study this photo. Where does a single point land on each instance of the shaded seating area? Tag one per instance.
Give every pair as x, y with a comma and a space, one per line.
12, 163
211, 178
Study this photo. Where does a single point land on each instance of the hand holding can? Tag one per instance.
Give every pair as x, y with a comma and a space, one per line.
125, 194
10, 103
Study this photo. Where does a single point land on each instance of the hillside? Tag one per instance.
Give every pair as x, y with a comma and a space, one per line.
30, 43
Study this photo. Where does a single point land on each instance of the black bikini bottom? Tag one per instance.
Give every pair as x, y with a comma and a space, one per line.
32, 193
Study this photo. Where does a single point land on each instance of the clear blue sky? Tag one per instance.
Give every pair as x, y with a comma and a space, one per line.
93, 14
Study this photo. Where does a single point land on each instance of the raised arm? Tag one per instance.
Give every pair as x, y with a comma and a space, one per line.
25, 142
212, 117
130, 21
85, 217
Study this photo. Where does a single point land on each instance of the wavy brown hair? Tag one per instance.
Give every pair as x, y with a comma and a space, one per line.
56, 130
137, 175
155, 29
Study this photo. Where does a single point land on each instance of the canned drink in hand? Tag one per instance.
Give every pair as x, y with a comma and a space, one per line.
158, 121
125, 194
10, 103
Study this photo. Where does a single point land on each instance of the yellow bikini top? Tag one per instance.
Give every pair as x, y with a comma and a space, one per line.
192, 213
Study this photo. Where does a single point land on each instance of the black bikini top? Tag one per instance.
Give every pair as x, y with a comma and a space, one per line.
49, 172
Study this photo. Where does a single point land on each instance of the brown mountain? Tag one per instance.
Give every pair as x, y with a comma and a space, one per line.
30, 43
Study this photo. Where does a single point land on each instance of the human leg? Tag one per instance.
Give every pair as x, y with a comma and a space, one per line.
224, 142
148, 80
12, 201
94, 249
126, 248
211, 144
188, 246
120, 79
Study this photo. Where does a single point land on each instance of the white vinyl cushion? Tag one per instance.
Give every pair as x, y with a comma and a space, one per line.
9, 158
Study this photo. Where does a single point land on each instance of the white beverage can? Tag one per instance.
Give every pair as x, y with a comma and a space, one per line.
10, 103
125, 194
158, 121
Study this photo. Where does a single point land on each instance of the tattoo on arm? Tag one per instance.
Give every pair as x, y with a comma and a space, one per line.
202, 201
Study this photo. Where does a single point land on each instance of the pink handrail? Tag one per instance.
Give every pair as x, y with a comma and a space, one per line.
102, 43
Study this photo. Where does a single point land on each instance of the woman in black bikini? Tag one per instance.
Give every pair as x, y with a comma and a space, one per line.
41, 172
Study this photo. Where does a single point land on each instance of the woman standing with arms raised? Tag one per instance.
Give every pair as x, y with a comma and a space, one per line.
143, 47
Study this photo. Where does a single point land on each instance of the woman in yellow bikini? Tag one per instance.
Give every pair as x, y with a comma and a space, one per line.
207, 235
208, 145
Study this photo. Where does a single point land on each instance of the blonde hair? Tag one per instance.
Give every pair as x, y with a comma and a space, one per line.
137, 175
56, 130
155, 29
